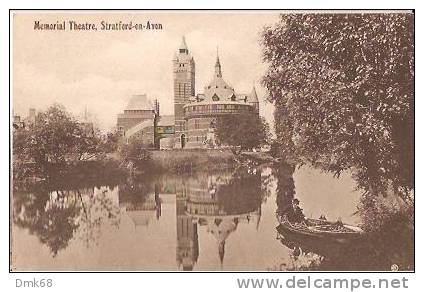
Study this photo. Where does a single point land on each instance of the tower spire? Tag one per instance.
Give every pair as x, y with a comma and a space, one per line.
183, 46
218, 72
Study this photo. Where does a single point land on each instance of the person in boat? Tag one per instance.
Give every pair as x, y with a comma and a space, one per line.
295, 214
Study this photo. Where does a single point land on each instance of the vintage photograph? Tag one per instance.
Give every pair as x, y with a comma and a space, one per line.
213, 140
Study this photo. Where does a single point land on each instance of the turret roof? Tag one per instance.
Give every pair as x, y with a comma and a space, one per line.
253, 97
218, 86
183, 45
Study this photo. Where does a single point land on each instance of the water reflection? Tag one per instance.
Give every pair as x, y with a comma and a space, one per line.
212, 205
57, 216
217, 203
205, 221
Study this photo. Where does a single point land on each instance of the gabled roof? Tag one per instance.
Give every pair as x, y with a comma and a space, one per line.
139, 102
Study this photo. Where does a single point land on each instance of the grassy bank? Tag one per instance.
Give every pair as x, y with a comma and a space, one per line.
185, 161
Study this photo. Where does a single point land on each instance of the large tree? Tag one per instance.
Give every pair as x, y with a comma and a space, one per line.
343, 89
55, 138
242, 131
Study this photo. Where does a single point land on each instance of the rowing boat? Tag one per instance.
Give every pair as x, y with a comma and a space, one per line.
317, 229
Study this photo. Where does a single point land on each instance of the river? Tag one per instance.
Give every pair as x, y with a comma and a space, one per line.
204, 222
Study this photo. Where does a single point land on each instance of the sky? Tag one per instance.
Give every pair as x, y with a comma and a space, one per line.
99, 71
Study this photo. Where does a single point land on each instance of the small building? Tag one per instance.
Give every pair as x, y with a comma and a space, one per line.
138, 120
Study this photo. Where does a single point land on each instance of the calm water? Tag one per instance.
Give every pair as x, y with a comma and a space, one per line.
206, 221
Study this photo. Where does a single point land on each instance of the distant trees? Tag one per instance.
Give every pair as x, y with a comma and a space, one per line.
343, 90
242, 132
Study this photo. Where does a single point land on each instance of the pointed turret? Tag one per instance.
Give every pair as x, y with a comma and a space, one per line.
218, 72
253, 96
253, 99
183, 46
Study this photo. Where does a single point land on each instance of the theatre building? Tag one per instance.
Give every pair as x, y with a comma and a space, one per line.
195, 115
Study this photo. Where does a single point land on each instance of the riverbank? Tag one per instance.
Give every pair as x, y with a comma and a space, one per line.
155, 161
186, 161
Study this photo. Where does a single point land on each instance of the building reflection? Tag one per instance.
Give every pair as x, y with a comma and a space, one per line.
187, 237
140, 201
206, 201
216, 203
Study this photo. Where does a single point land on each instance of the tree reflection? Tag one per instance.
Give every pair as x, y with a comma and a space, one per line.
388, 240
54, 224
140, 198
57, 215
285, 186
96, 210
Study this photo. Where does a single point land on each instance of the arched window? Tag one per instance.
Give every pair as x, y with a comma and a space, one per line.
215, 97
233, 97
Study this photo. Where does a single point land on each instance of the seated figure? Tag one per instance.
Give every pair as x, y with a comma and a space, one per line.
295, 213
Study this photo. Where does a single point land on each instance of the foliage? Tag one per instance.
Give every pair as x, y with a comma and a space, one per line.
134, 154
55, 138
389, 226
380, 214
242, 132
110, 141
343, 90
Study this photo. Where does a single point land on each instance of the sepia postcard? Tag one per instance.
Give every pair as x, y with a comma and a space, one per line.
240, 140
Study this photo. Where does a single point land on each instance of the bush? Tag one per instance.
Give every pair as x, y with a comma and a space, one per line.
134, 155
